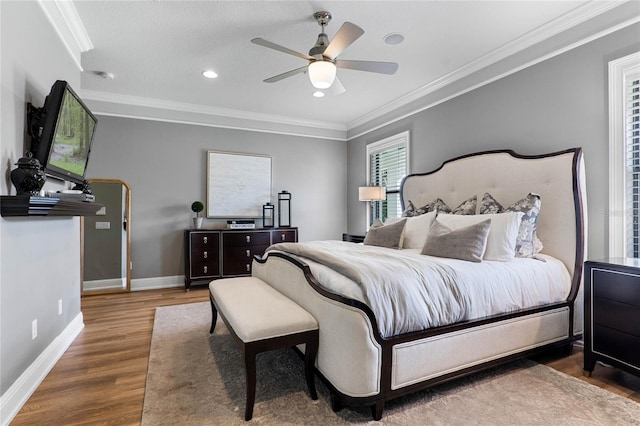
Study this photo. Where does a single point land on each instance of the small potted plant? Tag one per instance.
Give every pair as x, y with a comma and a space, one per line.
197, 208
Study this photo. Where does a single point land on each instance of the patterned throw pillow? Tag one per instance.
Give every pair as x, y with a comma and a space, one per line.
530, 206
468, 206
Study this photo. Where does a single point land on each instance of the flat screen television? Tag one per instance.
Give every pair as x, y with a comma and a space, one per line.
62, 132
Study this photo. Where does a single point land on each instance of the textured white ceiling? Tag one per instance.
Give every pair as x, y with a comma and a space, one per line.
157, 49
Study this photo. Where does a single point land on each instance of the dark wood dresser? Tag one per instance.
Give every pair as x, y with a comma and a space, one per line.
224, 253
612, 314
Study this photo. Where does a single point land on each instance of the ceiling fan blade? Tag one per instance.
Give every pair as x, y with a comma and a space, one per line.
262, 42
285, 75
370, 66
347, 34
337, 88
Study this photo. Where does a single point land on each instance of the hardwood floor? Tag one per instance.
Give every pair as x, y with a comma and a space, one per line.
100, 380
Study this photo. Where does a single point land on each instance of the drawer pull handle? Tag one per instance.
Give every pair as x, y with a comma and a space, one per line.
204, 240
284, 237
248, 238
248, 268
205, 254
205, 270
248, 253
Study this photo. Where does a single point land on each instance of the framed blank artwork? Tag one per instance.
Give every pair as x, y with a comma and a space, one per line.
237, 184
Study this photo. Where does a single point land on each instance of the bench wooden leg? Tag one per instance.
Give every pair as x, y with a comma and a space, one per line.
310, 352
376, 410
250, 370
214, 315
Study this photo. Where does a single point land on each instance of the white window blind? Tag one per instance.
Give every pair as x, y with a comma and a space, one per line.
632, 137
624, 156
387, 165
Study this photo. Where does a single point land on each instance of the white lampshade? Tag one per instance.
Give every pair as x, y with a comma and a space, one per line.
322, 74
372, 193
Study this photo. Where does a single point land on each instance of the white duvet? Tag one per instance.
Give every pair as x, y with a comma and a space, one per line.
408, 291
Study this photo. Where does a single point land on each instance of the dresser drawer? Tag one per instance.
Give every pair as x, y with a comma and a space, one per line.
201, 241
617, 286
203, 268
617, 316
620, 346
245, 239
238, 260
284, 236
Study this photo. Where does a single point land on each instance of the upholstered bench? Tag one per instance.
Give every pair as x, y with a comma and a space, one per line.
263, 319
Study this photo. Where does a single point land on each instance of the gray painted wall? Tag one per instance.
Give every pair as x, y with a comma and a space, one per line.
557, 104
40, 257
165, 165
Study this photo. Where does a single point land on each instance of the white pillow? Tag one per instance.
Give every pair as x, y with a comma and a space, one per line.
501, 243
416, 229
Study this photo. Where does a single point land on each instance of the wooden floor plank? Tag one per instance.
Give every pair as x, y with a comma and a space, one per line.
101, 377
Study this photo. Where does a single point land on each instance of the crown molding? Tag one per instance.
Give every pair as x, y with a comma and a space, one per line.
499, 63
540, 34
65, 20
104, 103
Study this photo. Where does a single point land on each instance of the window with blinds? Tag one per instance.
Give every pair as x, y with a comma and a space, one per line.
387, 165
632, 142
624, 156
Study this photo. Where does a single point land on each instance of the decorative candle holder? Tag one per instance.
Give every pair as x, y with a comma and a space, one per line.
284, 209
267, 215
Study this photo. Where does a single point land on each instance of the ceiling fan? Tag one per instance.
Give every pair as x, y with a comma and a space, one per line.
323, 57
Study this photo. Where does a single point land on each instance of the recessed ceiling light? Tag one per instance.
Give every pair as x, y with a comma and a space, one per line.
318, 94
393, 39
209, 74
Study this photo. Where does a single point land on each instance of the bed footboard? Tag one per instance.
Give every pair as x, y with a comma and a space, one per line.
355, 373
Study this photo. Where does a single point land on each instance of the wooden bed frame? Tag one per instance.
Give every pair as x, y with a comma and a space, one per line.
361, 367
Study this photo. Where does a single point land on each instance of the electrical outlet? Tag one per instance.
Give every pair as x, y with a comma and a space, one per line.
103, 225
59, 306
34, 329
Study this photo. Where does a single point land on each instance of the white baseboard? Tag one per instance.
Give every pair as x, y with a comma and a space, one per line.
17, 395
114, 283
157, 282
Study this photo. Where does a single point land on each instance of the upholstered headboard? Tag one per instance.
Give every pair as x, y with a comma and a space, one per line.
558, 178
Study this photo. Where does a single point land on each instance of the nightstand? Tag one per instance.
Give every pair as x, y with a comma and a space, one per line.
352, 238
612, 314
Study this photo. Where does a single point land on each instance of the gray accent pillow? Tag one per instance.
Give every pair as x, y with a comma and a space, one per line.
389, 236
530, 206
468, 206
468, 243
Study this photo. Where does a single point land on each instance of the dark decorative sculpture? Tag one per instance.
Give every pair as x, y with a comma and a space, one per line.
29, 177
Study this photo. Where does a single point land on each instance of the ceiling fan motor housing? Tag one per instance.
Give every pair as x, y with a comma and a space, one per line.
320, 46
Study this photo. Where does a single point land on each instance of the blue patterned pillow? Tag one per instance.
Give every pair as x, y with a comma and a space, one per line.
530, 206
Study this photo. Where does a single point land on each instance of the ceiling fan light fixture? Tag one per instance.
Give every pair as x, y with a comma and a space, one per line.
322, 74
318, 94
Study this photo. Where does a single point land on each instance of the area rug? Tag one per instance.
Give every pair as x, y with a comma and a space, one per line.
195, 378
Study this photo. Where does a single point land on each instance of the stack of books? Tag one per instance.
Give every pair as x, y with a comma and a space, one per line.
241, 224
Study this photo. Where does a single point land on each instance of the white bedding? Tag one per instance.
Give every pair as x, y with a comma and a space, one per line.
415, 292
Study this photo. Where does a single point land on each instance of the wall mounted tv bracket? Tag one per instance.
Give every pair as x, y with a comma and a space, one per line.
35, 118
